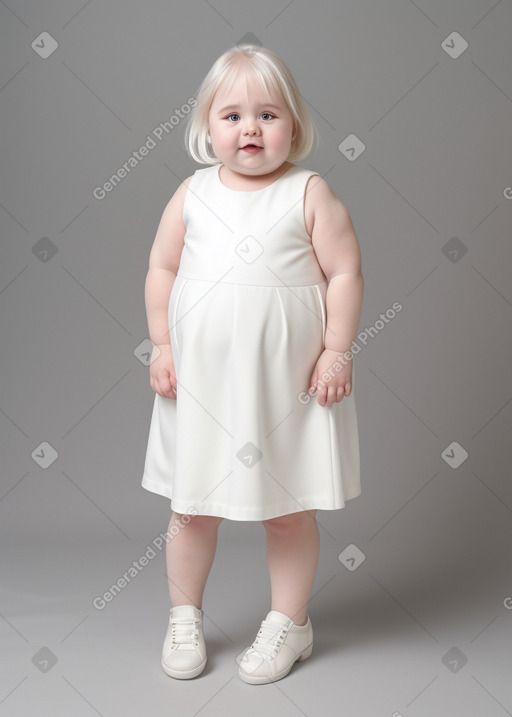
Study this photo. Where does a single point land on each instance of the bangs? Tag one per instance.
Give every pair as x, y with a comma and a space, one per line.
256, 76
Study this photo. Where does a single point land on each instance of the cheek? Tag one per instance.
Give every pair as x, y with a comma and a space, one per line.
223, 139
281, 136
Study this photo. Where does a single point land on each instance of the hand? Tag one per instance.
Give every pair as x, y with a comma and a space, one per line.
162, 375
339, 382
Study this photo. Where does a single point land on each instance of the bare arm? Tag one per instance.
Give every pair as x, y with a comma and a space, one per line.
337, 249
164, 260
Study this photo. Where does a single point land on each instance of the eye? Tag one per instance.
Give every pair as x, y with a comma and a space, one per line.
269, 114
233, 114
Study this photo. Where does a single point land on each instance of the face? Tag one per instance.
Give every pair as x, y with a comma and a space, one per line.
245, 115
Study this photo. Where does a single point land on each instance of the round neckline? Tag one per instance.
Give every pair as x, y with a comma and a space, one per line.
251, 191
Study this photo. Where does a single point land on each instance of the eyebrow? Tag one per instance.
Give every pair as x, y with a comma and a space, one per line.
235, 107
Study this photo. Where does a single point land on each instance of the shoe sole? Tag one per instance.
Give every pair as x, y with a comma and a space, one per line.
253, 680
181, 675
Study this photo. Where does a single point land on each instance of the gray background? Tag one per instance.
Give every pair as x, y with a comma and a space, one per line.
423, 625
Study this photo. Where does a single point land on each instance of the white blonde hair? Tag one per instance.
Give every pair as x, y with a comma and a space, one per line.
265, 67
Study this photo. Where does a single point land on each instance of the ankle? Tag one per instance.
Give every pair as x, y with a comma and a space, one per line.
301, 620
180, 604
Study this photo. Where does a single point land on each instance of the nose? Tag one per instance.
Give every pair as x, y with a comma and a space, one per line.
251, 127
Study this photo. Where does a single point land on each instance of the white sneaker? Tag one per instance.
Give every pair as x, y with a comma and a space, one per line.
278, 645
184, 650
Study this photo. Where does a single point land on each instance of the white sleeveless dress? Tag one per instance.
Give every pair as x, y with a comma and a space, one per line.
247, 318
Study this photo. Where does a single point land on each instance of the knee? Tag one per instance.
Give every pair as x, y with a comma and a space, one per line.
202, 522
289, 523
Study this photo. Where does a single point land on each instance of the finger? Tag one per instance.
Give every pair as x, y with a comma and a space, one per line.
165, 388
332, 395
174, 385
322, 396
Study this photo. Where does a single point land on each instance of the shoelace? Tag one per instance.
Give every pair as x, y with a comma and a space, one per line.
184, 630
269, 639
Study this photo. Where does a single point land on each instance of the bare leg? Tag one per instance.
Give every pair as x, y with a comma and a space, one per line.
189, 554
293, 546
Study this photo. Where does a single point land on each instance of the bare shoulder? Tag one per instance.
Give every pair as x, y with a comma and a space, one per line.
178, 197
173, 212
169, 240
321, 205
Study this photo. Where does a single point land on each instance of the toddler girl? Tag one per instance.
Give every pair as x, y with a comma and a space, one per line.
253, 298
